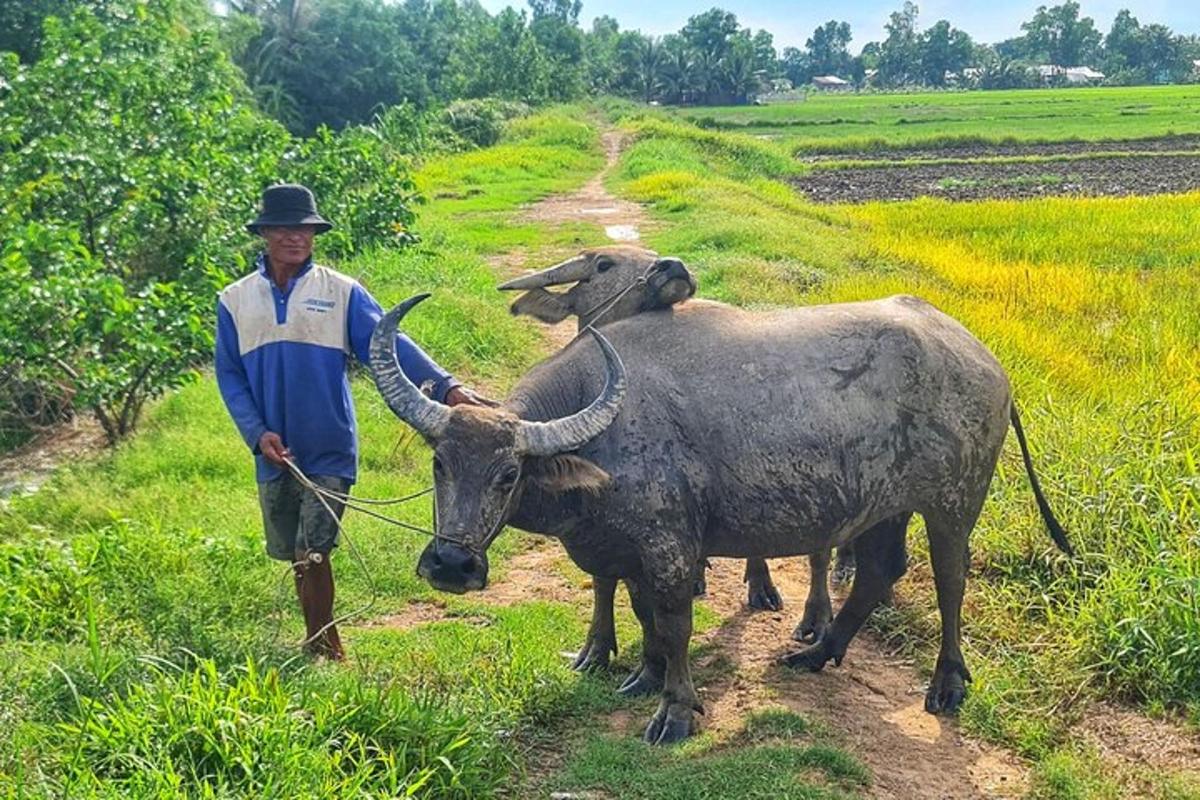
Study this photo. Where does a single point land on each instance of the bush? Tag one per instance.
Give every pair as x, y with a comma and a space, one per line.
480, 122
130, 159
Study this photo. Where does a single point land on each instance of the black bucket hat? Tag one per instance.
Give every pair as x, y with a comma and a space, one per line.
289, 204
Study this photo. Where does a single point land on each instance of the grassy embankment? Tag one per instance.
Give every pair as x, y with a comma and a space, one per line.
831, 123
1092, 307
145, 637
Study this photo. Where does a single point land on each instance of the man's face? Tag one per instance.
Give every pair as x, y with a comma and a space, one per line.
289, 245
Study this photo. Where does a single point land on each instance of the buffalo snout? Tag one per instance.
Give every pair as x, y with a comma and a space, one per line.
452, 568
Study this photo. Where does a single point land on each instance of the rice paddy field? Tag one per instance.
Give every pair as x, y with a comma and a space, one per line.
146, 641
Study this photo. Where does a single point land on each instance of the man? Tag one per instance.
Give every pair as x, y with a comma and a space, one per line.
284, 336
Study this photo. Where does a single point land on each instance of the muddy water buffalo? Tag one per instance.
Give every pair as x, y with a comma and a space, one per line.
863, 414
609, 284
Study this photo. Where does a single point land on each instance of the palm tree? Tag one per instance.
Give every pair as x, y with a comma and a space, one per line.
650, 62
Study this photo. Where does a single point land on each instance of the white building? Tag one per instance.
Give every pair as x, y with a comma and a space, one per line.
831, 83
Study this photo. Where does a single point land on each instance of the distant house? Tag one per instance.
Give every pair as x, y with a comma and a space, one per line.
1073, 75
831, 83
1083, 75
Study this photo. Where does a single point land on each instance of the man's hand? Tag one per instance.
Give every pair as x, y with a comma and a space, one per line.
461, 394
271, 446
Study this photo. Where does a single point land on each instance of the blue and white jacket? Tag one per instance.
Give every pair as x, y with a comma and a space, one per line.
281, 364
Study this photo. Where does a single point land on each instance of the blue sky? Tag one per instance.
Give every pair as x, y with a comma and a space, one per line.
793, 22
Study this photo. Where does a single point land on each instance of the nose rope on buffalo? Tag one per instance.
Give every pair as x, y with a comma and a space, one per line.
360, 504
325, 495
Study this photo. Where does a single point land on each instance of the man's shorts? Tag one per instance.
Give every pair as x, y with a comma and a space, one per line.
294, 518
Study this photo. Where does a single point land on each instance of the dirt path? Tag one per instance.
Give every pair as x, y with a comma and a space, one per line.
874, 699
623, 221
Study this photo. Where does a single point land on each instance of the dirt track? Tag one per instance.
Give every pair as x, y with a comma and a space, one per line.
1119, 176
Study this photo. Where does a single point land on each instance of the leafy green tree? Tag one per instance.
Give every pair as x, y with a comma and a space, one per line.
796, 66
555, 27
602, 47
900, 53
117, 150
944, 50
1060, 36
681, 79
827, 50
766, 60
647, 59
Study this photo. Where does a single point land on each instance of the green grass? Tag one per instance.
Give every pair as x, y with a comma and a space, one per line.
839, 123
772, 758
1091, 304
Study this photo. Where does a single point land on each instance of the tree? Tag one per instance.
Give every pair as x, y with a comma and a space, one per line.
648, 59
827, 49
944, 50
766, 60
900, 53
555, 27
796, 65
1060, 36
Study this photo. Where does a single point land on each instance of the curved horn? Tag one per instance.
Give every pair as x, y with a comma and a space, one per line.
569, 271
571, 433
405, 400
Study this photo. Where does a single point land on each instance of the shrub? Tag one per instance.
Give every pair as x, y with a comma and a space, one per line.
480, 122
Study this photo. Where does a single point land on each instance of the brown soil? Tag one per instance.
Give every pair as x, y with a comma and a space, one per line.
27, 467
1111, 177
978, 150
874, 701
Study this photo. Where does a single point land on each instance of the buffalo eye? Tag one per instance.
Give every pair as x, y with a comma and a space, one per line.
438, 469
508, 477
604, 265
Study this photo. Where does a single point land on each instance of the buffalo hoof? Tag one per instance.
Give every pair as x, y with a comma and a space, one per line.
667, 727
947, 690
813, 625
641, 682
814, 657
594, 656
765, 598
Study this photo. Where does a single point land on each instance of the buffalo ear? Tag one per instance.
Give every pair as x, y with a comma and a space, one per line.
540, 304
562, 473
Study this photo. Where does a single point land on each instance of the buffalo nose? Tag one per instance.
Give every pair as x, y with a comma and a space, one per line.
671, 268
452, 568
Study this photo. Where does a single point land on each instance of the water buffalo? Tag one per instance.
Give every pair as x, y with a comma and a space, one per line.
862, 414
637, 280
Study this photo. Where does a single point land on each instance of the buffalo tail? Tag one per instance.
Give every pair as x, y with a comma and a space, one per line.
1056, 530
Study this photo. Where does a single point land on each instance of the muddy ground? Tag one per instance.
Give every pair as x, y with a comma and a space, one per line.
1121, 176
1161, 144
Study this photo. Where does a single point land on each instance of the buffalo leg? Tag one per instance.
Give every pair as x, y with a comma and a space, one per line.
602, 634
818, 610
949, 554
648, 677
675, 718
762, 592
882, 559
843, 569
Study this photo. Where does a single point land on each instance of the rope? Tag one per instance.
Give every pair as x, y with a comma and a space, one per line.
323, 495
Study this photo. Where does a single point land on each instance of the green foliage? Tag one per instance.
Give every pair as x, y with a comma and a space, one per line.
132, 160
201, 732
364, 187
481, 122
